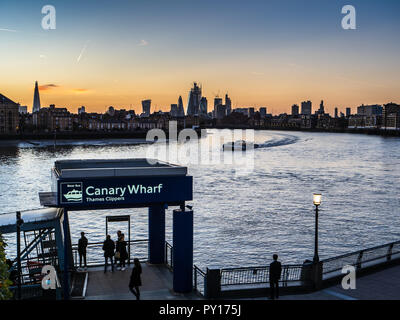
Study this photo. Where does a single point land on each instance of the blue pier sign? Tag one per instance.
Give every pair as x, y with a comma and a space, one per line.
124, 191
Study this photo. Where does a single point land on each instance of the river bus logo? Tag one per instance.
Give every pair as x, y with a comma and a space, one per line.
71, 192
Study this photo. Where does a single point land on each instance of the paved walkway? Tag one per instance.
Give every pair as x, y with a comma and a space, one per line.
156, 280
157, 285
382, 285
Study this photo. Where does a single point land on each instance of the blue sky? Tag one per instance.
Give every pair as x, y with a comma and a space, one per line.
256, 50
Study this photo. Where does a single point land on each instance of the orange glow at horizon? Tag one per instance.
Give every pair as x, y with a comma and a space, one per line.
277, 98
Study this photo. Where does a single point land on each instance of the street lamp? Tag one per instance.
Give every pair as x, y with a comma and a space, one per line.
317, 201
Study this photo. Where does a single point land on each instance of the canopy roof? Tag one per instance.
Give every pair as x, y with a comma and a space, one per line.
116, 168
8, 221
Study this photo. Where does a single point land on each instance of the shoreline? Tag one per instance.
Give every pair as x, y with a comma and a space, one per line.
135, 138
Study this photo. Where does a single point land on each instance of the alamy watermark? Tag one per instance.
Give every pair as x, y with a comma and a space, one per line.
50, 279
220, 147
349, 20
49, 20
349, 280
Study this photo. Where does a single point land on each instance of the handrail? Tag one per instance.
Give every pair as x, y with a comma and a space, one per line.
361, 257
97, 258
199, 280
258, 275
362, 250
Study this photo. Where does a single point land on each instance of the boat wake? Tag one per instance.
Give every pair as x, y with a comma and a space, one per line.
279, 141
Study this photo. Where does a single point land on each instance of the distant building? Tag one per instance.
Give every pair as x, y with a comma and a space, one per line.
81, 110
217, 102
228, 104
370, 110
251, 112
203, 106
244, 111
306, 108
391, 116
181, 110
36, 99
321, 108
336, 112
221, 111
23, 110
263, 112
146, 106
295, 110
9, 115
194, 100
53, 119
174, 110
348, 112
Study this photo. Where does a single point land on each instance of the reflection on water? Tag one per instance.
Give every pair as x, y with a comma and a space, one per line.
242, 219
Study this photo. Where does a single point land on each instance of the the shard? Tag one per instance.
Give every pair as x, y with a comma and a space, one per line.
36, 99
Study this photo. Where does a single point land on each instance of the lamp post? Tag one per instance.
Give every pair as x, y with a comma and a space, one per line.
19, 224
317, 201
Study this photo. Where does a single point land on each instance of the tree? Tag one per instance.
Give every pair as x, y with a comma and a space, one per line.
5, 283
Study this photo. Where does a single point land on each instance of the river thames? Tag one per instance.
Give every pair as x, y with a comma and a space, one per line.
242, 217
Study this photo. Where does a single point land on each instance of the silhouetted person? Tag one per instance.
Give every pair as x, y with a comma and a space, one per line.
136, 280
275, 270
116, 257
82, 245
108, 248
123, 254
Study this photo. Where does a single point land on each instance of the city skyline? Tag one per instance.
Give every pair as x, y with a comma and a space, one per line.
262, 54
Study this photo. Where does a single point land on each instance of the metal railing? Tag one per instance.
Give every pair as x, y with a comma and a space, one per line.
95, 253
169, 258
259, 275
361, 259
199, 280
28, 292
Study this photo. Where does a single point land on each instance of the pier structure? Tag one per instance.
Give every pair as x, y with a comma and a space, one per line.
128, 183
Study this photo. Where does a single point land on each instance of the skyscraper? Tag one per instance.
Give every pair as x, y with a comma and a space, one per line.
306, 107
217, 102
181, 111
336, 112
321, 107
348, 112
263, 112
174, 110
203, 106
194, 100
146, 105
295, 110
36, 99
228, 104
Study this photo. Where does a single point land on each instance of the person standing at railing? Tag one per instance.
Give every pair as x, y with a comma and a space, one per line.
108, 248
123, 253
117, 254
82, 245
275, 271
136, 281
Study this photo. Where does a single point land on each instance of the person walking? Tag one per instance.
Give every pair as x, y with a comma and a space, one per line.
117, 254
123, 254
275, 270
82, 245
136, 281
108, 248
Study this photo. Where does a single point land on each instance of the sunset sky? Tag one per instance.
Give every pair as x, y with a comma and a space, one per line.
263, 53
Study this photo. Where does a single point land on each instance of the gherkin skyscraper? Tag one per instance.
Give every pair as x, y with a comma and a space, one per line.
36, 99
